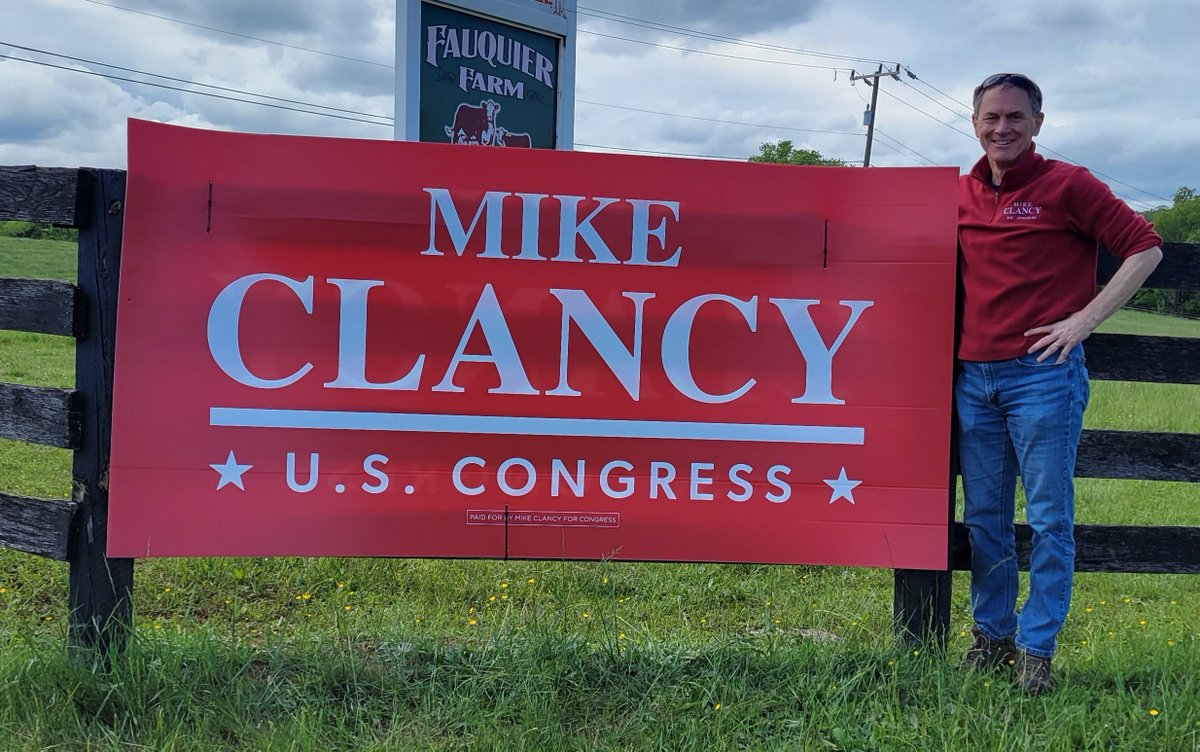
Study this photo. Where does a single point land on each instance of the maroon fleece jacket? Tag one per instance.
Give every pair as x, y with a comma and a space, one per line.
1028, 249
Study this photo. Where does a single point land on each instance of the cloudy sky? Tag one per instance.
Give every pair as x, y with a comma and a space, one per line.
706, 78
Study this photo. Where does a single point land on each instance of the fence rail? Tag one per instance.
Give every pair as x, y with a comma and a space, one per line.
100, 589
80, 419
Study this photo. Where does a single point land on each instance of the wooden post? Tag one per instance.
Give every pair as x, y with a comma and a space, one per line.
921, 606
921, 598
100, 588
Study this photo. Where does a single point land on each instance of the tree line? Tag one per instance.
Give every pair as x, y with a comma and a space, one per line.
1179, 222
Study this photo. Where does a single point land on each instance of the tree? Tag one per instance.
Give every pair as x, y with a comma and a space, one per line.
1181, 221
36, 231
785, 152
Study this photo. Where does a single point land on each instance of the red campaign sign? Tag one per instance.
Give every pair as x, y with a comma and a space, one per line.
333, 347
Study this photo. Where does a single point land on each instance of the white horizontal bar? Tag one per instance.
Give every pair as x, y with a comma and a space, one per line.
341, 420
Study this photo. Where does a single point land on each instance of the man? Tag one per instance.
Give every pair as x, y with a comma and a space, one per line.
1028, 235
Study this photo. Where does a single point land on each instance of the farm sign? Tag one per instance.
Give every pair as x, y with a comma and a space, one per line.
486, 72
334, 347
486, 84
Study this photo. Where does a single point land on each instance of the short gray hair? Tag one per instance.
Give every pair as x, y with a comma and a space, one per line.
1019, 80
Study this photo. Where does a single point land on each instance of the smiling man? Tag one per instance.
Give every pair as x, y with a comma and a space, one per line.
1029, 230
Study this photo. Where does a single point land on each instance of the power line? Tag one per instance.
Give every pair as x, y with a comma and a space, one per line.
184, 80
1041, 147
923, 82
956, 113
679, 153
713, 54
1108, 177
874, 81
893, 139
240, 35
928, 115
894, 149
661, 153
604, 15
717, 120
909, 149
188, 91
375, 115
631, 20
771, 127
360, 120
1045, 148
679, 30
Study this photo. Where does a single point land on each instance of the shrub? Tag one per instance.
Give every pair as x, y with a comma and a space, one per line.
36, 231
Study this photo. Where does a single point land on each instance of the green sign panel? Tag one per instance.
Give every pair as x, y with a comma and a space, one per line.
484, 82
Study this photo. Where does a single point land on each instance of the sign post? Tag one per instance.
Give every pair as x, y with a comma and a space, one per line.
486, 72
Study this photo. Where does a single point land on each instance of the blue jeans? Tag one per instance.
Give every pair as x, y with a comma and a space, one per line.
1021, 417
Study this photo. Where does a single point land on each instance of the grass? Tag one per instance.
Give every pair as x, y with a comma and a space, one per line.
284, 654
1140, 322
39, 259
270, 654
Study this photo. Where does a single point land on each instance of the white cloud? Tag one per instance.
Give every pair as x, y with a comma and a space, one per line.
1117, 78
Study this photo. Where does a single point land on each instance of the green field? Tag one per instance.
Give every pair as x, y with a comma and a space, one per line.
417, 654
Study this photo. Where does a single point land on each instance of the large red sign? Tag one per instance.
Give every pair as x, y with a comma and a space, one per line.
329, 347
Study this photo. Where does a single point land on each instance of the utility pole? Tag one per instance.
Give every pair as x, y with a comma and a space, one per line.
872, 80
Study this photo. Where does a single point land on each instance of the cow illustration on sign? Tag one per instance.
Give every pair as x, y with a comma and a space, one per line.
476, 124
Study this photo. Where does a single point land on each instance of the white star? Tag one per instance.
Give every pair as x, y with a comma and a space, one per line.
231, 472
843, 488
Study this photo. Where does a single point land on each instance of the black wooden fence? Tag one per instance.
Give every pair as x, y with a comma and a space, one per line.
922, 598
79, 419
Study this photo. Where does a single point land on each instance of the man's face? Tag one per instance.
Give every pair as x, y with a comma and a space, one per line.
1006, 125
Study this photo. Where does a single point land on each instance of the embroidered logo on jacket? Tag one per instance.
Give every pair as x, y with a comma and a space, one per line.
1022, 210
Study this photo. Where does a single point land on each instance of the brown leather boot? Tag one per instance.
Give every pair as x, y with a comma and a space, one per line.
1033, 674
987, 653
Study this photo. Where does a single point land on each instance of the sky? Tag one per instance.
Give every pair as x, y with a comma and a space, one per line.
695, 78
